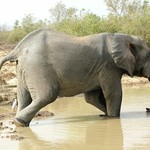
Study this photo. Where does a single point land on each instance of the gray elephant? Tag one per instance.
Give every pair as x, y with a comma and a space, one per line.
52, 64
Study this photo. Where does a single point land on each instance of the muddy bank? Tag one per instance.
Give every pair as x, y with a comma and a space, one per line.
135, 82
39, 115
7, 77
8, 129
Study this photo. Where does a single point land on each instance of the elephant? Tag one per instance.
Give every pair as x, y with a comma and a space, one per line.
52, 64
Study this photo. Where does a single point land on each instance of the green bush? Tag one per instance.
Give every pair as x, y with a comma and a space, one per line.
4, 37
126, 17
16, 35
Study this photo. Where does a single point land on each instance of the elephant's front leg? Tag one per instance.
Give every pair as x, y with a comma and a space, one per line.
96, 98
112, 90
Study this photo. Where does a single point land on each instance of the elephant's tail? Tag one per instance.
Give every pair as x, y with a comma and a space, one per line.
12, 56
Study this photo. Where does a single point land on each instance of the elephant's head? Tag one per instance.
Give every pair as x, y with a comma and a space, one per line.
131, 54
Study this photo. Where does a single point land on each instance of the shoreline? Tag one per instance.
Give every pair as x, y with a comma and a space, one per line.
135, 82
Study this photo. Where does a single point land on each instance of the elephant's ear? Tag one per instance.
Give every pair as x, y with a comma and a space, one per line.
122, 52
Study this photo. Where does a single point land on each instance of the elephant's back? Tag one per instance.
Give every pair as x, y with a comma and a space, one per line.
72, 58
38, 37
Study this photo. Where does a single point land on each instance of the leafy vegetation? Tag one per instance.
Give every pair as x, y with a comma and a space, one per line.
126, 16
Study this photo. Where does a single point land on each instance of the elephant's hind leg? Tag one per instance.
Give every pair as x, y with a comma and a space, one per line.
25, 116
96, 98
43, 89
23, 97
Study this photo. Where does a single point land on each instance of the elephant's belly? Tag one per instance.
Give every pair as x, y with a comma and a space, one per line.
72, 90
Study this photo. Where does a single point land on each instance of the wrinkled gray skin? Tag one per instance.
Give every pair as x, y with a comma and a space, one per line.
52, 64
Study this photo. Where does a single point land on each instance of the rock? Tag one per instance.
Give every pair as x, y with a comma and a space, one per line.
147, 109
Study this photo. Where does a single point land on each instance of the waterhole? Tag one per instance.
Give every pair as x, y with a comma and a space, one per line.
76, 125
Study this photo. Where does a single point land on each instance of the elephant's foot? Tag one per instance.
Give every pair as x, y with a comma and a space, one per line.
107, 116
20, 123
103, 115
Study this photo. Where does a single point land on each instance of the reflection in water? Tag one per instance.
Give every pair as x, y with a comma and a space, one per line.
86, 132
77, 126
135, 121
106, 134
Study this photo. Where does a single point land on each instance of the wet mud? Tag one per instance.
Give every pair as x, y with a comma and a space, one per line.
39, 115
8, 129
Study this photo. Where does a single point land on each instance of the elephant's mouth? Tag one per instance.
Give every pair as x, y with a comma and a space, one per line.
149, 79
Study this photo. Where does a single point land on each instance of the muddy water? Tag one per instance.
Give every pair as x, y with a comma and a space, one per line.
77, 126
